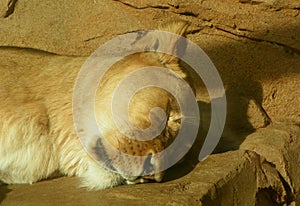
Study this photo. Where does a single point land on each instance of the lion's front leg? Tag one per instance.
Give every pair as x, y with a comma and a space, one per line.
97, 177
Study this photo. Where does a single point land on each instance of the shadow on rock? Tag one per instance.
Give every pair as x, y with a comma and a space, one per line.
239, 124
3, 191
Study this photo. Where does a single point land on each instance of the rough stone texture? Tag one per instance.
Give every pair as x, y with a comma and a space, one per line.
279, 144
263, 175
255, 46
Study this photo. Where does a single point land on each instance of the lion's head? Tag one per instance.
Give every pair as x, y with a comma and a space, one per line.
131, 152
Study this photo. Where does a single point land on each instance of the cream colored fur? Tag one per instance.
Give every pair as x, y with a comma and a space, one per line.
37, 136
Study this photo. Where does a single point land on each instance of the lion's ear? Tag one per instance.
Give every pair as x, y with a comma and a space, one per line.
167, 43
178, 27
170, 43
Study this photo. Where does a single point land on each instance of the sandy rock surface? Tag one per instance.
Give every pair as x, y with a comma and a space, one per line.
255, 45
263, 175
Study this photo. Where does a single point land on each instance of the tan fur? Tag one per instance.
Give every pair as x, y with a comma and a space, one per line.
37, 136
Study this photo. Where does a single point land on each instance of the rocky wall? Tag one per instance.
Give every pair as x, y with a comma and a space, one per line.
255, 46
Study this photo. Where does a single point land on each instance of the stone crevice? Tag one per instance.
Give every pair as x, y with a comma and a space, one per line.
269, 178
286, 47
163, 7
10, 8
187, 13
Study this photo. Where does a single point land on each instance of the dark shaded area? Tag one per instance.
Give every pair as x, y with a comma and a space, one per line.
267, 196
290, 197
243, 68
3, 192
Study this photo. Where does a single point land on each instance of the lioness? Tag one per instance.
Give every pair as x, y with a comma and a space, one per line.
37, 135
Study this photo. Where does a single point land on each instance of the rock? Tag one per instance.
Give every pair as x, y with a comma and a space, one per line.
279, 144
257, 117
3, 8
231, 178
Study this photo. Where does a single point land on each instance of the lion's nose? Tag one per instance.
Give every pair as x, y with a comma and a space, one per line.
150, 171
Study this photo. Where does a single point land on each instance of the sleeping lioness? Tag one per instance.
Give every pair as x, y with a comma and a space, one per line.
37, 135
